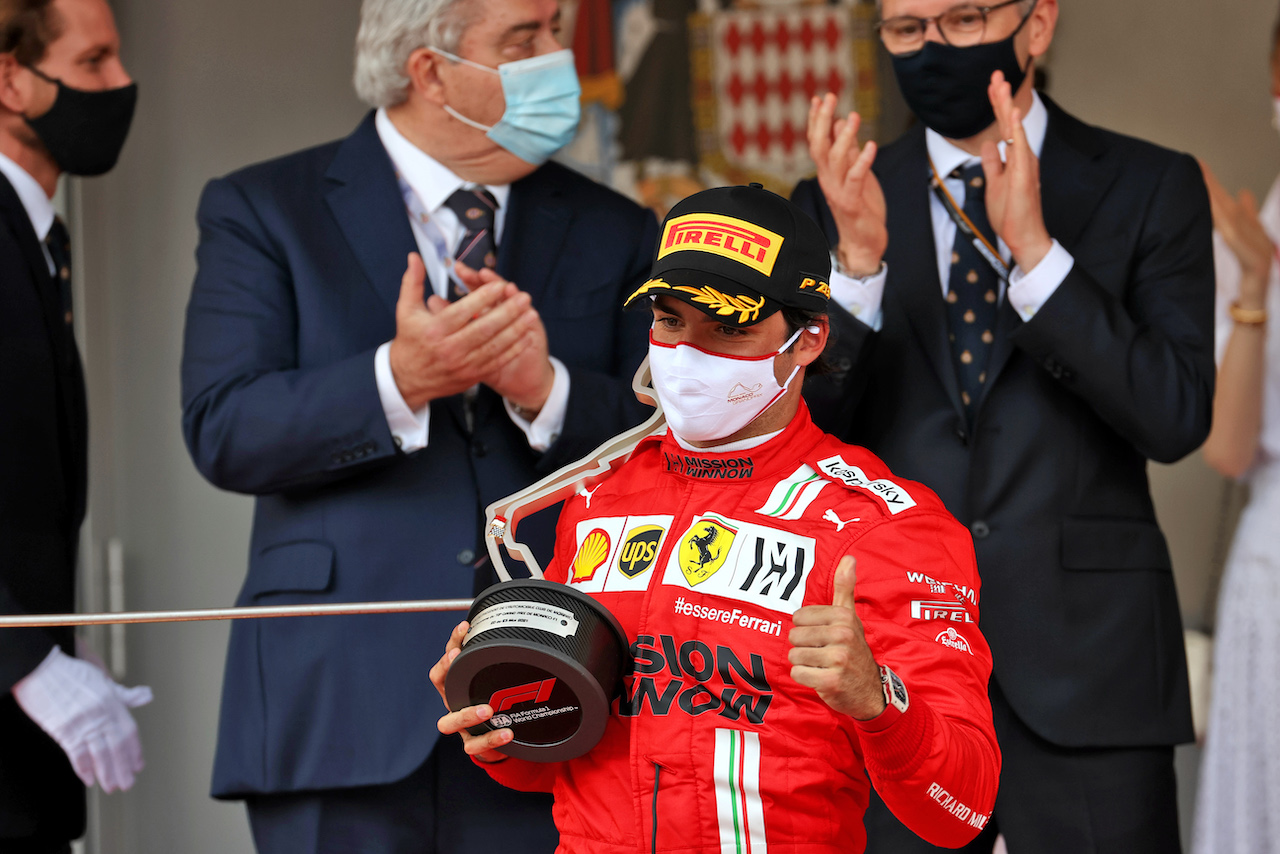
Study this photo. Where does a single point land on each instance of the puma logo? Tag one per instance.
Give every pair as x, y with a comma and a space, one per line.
831, 516
587, 493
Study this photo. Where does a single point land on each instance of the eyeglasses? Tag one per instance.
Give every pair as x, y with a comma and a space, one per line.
960, 26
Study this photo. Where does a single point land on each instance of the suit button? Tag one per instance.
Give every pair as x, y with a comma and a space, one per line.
962, 432
980, 530
479, 448
466, 557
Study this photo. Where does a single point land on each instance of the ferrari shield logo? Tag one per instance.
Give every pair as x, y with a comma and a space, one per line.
704, 549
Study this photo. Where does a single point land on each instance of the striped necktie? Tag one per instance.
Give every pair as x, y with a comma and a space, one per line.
475, 210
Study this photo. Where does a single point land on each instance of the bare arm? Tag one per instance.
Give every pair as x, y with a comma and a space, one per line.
1237, 403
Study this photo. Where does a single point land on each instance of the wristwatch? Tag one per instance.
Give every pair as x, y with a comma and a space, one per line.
895, 693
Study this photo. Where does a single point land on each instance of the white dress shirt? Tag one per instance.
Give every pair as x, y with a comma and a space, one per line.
38, 206
1027, 290
426, 184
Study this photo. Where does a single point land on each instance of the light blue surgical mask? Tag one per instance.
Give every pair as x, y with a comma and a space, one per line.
542, 95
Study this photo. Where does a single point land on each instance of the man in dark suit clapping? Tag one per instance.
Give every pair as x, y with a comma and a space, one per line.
373, 426
1028, 320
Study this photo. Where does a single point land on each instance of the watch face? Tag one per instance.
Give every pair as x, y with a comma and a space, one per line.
895, 693
899, 690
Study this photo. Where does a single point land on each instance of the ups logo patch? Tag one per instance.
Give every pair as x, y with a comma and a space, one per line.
639, 550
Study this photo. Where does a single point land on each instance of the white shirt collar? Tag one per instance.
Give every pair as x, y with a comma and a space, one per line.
429, 178
39, 207
946, 156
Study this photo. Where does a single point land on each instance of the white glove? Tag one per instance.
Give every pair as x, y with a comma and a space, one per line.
87, 714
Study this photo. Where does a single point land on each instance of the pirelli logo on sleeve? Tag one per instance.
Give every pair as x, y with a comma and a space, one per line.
725, 236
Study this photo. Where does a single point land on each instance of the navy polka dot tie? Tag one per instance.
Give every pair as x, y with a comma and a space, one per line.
58, 242
972, 292
475, 210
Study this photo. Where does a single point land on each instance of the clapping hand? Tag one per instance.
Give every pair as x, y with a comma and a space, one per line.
851, 188
1236, 219
1013, 185
526, 379
829, 651
443, 348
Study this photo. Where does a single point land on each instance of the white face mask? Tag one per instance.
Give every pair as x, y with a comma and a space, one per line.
708, 396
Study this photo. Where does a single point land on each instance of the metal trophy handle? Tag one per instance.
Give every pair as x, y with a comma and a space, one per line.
502, 517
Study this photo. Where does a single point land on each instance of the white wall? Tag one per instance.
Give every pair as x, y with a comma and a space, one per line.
227, 83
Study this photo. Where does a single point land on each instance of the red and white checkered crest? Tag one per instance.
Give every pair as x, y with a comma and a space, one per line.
754, 73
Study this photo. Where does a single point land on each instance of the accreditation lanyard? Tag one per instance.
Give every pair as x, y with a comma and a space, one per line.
966, 226
425, 226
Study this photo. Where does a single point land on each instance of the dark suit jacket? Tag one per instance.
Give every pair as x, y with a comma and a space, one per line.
300, 261
1078, 600
42, 501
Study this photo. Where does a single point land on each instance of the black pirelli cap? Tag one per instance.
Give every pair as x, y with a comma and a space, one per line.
740, 254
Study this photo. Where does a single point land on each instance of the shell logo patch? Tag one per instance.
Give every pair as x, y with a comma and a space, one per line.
640, 549
726, 236
592, 555
704, 549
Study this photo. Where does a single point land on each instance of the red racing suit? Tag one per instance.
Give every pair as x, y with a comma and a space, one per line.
703, 558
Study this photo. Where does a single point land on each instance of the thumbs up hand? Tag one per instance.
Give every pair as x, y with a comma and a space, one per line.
829, 651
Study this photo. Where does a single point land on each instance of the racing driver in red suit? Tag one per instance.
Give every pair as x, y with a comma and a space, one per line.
767, 685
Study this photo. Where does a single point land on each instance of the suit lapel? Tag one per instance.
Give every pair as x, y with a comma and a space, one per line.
72, 424
16, 219
364, 197
535, 227
1073, 183
913, 267
1007, 320
534, 231
1074, 177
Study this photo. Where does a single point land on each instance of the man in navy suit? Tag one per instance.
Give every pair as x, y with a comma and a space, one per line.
1024, 305
373, 426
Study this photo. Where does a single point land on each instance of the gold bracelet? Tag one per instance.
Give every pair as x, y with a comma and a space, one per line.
1248, 316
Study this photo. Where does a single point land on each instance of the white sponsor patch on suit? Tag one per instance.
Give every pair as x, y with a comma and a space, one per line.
743, 561
953, 612
616, 553
894, 496
791, 497
949, 637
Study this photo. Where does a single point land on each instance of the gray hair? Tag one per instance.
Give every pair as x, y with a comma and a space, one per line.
390, 30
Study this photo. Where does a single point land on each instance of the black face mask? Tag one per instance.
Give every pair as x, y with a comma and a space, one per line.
85, 130
946, 87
